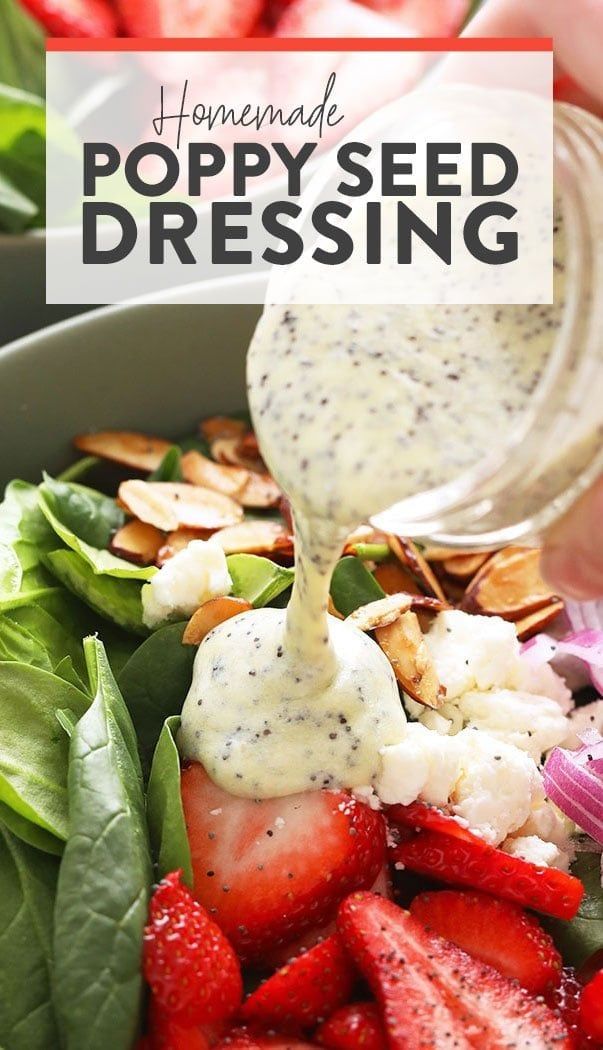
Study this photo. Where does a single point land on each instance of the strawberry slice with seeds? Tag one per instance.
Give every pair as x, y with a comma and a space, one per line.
269, 870
196, 18
74, 18
191, 968
420, 815
497, 932
167, 1034
424, 17
473, 863
242, 1039
306, 991
432, 994
357, 1026
591, 1008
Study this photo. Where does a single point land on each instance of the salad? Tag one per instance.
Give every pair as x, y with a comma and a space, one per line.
454, 901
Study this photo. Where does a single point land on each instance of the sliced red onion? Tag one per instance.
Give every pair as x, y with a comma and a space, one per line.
540, 649
573, 780
585, 645
585, 616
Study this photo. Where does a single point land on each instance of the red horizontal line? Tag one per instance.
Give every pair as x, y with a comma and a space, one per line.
300, 44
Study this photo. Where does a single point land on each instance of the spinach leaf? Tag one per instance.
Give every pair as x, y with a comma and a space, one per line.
154, 684
25, 536
79, 469
257, 579
579, 939
371, 551
105, 876
23, 147
352, 585
22, 51
27, 892
33, 748
165, 814
169, 468
116, 599
17, 213
28, 832
59, 635
19, 645
194, 443
85, 521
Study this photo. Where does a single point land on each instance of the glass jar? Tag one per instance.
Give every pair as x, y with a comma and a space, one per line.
557, 450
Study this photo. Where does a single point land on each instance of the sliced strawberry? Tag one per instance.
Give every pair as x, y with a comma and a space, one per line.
269, 870
565, 1002
241, 1039
420, 815
196, 18
424, 17
191, 968
432, 994
336, 18
591, 1008
167, 1034
497, 932
354, 1027
76, 18
305, 992
472, 862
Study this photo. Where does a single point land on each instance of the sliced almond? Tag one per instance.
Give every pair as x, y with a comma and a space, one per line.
255, 537
137, 541
409, 554
404, 645
538, 621
434, 553
463, 566
248, 446
380, 613
228, 450
260, 491
127, 447
210, 615
169, 505
197, 469
332, 610
509, 585
178, 540
392, 577
222, 426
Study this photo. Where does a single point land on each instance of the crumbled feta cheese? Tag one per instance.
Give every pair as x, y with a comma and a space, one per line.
423, 765
191, 577
537, 851
539, 678
532, 723
367, 794
498, 786
473, 652
590, 716
550, 824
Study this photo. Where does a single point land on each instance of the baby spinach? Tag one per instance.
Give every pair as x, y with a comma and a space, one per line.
33, 747
169, 469
105, 876
21, 48
352, 585
165, 815
22, 153
60, 635
257, 579
154, 684
78, 516
115, 599
371, 551
19, 645
25, 536
579, 939
79, 469
28, 832
27, 892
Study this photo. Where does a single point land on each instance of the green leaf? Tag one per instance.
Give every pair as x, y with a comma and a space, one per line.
371, 551
154, 684
579, 939
352, 585
79, 469
23, 146
169, 468
33, 748
256, 579
165, 814
105, 877
11, 572
30, 833
27, 893
116, 599
24, 536
61, 635
19, 645
17, 213
22, 50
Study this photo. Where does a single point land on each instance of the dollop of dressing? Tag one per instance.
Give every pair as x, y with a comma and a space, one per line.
354, 410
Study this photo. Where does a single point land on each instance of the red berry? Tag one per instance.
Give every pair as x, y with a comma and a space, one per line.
195, 18
591, 1008
191, 968
354, 1027
75, 18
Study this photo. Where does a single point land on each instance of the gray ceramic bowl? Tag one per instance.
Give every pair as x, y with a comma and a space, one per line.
145, 366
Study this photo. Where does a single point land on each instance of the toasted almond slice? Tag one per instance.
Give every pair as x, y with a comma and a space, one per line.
248, 446
260, 491
228, 450
403, 643
255, 537
443, 553
393, 578
410, 556
222, 426
138, 542
170, 505
210, 615
381, 612
538, 621
178, 540
464, 566
197, 469
332, 610
127, 447
509, 585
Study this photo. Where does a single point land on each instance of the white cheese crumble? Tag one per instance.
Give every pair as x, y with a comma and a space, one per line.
532, 723
186, 581
473, 652
582, 718
537, 851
